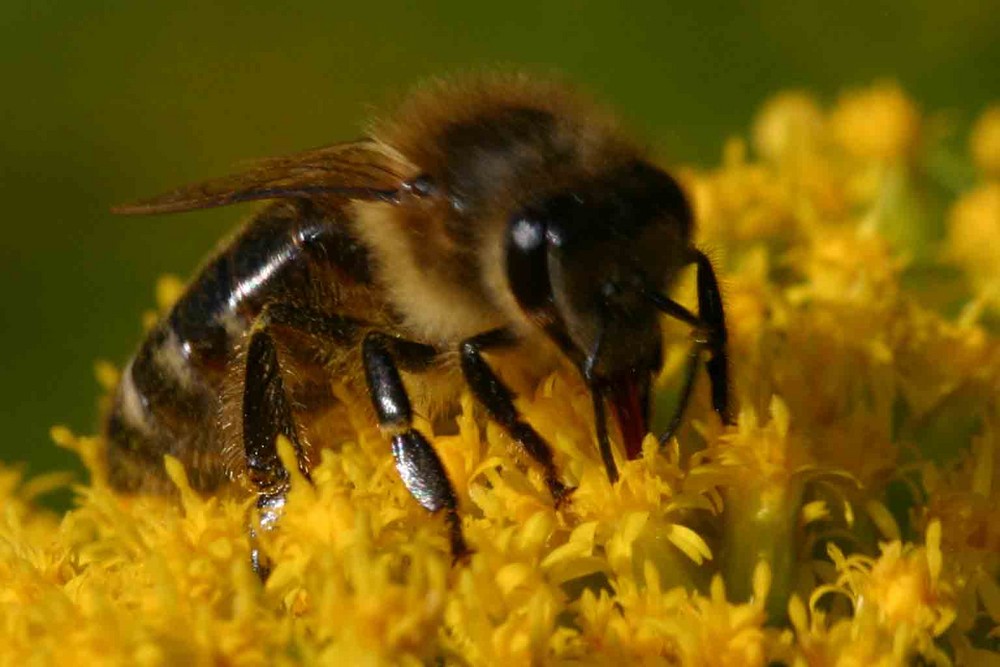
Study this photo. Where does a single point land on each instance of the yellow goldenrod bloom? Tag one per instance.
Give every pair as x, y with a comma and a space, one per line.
851, 517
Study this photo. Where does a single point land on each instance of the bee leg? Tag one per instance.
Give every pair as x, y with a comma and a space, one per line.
713, 319
266, 415
710, 335
690, 371
603, 441
267, 411
418, 464
498, 400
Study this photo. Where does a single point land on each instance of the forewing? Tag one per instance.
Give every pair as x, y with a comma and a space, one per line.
355, 170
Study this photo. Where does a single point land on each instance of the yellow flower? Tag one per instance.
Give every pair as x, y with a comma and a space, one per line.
899, 605
878, 123
789, 127
984, 142
905, 585
715, 631
850, 518
974, 237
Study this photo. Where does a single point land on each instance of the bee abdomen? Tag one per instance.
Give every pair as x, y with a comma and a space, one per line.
168, 399
163, 405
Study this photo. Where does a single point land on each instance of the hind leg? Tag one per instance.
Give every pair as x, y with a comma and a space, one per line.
267, 410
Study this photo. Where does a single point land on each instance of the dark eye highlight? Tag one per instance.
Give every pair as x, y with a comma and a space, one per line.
527, 268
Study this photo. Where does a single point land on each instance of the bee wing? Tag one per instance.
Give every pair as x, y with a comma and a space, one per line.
361, 169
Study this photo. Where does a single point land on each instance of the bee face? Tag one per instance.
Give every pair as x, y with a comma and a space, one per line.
581, 261
541, 203
535, 212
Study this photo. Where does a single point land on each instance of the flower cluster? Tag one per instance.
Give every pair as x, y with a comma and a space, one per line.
849, 518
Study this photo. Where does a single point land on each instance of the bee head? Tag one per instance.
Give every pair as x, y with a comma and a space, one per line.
581, 263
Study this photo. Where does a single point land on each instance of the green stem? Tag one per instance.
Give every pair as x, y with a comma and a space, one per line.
761, 525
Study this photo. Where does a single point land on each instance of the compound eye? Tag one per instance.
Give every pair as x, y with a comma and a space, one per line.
527, 269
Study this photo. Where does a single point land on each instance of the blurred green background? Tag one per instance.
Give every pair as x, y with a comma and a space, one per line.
109, 101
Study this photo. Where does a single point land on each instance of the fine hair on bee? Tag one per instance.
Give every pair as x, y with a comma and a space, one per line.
488, 214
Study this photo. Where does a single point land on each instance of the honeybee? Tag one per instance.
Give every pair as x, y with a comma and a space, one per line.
493, 213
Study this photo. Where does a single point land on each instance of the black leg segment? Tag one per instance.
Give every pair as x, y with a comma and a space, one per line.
499, 403
267, 410
416, 461
690, 371
710, 336
713, 316
266, 414
603, 441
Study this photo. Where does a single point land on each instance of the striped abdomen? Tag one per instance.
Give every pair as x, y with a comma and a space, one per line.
168, 398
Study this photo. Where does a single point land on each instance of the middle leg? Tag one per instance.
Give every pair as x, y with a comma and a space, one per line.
418, 464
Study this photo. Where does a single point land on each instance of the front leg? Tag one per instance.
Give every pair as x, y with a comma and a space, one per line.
416, 461
711, 312
710, 335
498, 400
